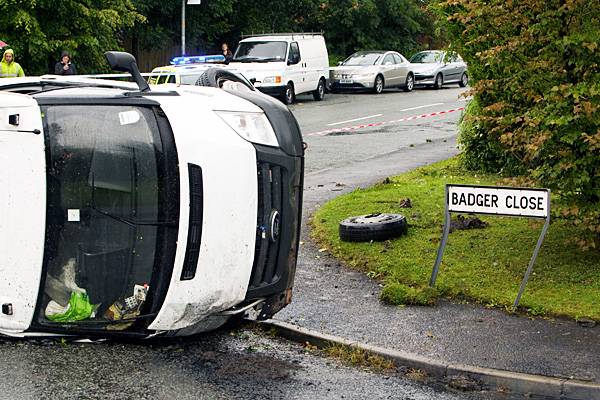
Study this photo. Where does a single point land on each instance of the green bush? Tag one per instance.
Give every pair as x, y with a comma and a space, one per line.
482, 152
535, 70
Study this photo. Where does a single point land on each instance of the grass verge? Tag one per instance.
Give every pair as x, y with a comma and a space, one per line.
484, 265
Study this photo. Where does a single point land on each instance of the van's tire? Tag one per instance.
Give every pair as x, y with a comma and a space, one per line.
464, 80
374, 227
409, 85
378, 85
319, 92
439, 81
288, 95
214, 77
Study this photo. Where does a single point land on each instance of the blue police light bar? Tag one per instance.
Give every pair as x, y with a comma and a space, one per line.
197, 59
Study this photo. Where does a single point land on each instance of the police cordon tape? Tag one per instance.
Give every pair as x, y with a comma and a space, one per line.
375, 124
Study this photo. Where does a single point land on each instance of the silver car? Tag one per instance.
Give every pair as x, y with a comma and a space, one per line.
373, 70
436, 68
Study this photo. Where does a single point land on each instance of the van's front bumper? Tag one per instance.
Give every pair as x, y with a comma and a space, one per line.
272, 90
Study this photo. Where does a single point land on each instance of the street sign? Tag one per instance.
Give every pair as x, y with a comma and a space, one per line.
498, 201
491, 200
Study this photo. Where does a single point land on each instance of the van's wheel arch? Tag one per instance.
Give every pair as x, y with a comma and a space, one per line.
379, 84
289, 95
319, 92
214, 77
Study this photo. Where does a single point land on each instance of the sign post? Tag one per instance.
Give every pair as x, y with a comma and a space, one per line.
183, 2
516, 202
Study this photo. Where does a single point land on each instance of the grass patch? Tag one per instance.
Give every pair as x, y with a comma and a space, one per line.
359, 358
397, 293
484, 265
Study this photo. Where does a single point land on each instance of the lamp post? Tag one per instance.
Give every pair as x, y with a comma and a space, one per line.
183, 3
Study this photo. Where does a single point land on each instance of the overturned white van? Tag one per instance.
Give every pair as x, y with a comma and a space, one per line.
137, 212
284, 65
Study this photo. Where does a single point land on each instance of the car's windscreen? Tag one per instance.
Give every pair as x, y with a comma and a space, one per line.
427, 57
104, 174
261, 51
363, 59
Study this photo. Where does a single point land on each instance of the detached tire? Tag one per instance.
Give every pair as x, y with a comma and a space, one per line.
374, 227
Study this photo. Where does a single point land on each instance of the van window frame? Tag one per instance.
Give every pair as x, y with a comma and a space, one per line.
289, 60
165, 249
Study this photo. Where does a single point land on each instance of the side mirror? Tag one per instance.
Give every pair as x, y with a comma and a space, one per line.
125, 62
340, 62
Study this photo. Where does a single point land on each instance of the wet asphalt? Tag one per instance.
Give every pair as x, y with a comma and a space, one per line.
251, 364
242, 364
333, 299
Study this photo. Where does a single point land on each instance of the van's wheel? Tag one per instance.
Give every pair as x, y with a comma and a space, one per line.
409, 85
376, 227
439, 81
464, 80
319, 92
289, 95
378, 85
215, 77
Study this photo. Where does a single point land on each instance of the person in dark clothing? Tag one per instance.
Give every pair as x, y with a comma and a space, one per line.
65, 66
227, 53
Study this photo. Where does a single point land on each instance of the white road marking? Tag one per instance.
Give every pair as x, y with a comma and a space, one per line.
426, 105
354, 120
374, 124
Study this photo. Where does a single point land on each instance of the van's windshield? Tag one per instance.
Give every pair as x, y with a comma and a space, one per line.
261, 51
104, 202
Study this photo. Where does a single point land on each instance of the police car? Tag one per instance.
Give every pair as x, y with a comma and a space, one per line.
137, 211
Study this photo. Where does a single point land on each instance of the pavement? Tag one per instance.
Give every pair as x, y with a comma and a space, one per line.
334, 300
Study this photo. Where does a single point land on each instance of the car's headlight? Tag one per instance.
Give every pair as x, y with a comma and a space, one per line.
337, 76
251, 126
272, 79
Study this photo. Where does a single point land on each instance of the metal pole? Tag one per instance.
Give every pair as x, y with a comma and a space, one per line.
183, 27
440, 253
534, 257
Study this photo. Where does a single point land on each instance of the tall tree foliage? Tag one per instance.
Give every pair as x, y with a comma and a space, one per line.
536, 107
349, 25
38, 30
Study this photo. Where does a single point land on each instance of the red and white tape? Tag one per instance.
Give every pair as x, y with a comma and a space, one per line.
375, 124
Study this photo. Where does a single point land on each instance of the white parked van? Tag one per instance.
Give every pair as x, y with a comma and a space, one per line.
284, 65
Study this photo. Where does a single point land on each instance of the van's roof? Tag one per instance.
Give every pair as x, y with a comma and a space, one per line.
282, 37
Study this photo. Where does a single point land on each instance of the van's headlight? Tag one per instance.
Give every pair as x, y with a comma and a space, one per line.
272, 79
251, 126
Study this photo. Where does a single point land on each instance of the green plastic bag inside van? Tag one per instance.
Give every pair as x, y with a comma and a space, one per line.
79, 309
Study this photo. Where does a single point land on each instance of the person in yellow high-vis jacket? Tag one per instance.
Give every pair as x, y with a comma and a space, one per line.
8, 67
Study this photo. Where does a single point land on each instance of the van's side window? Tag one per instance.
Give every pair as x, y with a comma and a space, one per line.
294, 56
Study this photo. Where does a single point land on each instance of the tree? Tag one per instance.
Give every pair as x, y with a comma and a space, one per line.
536, 107
38, 30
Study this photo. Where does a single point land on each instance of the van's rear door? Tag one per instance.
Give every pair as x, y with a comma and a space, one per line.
22, 209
